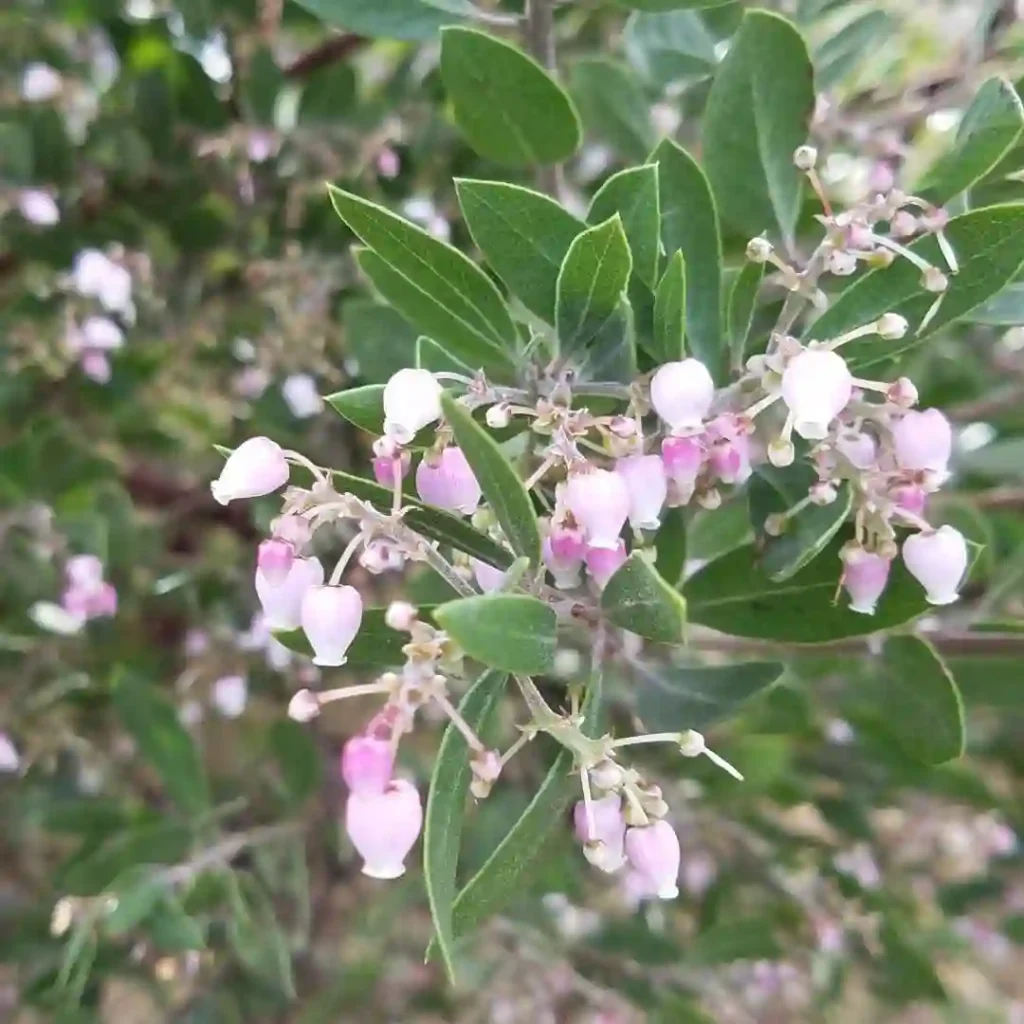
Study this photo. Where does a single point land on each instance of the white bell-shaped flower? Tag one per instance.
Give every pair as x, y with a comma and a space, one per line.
682, 393
816, 386
653, 850
331, 617
282, 602
412, 401
256, 467
938, 561
648, 488
923, 441
384, 826
599, 502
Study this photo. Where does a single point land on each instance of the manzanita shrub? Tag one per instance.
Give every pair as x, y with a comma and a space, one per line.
657, 424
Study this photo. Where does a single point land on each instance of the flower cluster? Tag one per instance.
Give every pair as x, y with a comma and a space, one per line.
87, 595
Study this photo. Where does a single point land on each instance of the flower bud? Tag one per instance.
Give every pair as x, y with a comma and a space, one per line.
647, 486
412, 401
230, 695
488, 578
891, 326
101, 333
781, 452
385, 467
653, 851
400, 615
903, 224
304, 706
911, 498
759, 250
934, 280
38, 207
607, 774
302, 396
10, 761
282, 603
293, 529
923, 441
384, 826
682, 393
902, 392
84, 571
485, 767
938, 561
566, 570
274, 558
256, 467
604, 845
865, 575
448, 482
816, 386
331, 617
805, 158
96, 366
367, 764
860, 449
40, 82
381, 555
840, 263
498, 416
604, 563
599, 501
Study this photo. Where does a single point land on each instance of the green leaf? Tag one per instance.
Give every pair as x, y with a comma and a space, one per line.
591, 284
508, 107
256, 937
638, 599
506, 872
172, 930
756, 116
669, 47
732, 595
991, 126
382, 19
671, 5
137, 893
381, 340
742, 303
633, 195
1004, 309
990, 244
376, 645
437, 359
501, 486
432, 522
844, 52
458, 297
613, 106
162, 740
449, 785
907, 972
918, 699
261, 83
364, 408
513, 632
298, 759
773, 491
678, 697
689, 223
670, 545
725, 942
669, 342
328, 94
524, 236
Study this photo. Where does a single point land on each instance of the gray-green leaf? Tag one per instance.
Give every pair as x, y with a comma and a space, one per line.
378, 336
667, 47
513, 632
990, 244
613, 106
382, 19
669, 341
638, 599
689, 223
742, 304
501, 486
523, 234
756, 116
508, 107
449, 785
633, 195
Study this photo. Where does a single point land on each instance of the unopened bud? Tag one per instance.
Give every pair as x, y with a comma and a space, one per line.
781, 453
63, 916
486, 767
822, 493
498, 416
891, 326
934, 280
607, 774
759, 250
400, 615
805, 158
775, 524
691, 743
902, 392
841, 263
304, 706
710, 498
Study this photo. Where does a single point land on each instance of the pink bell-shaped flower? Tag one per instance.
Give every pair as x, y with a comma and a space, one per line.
937, 560
367, 764
256, 467
682, 457
604, 563
230, 695
448, 482
563, 551
653, 851
599, 502
282, 603
648, 488
859, 449
865, 575
923, 441
101, 333
384, 826
274, 559
911, 498
331, 617
488, 578
84, 571
386, 467
604, 847
816, 386
682, 393
412, 401
96, 366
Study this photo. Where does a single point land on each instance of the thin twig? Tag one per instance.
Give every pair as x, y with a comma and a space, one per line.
539, 31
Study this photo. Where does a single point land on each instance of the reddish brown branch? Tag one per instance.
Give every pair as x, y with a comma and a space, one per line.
328, 52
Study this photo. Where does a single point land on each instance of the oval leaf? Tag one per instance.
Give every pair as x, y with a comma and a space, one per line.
638, 599
508, 107
633, 195
446, 801
502, 488
512, 632
742, 303
670, 312
689, 224
991, 244
382, 19
612, 106
756, 116
524, 236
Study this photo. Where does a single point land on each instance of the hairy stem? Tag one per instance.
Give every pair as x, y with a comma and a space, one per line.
539, 32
